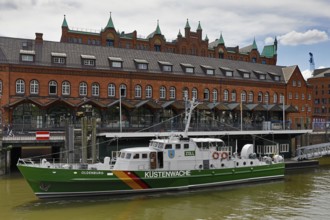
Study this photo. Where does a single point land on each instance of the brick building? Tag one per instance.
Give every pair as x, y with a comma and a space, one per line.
321, 95
46, 84
192, 43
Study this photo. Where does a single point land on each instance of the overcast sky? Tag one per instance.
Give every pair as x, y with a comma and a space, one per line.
301, 26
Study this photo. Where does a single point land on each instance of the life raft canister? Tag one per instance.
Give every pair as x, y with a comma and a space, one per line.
224, 155
215, 155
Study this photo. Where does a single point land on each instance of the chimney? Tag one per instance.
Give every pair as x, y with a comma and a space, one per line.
39, 39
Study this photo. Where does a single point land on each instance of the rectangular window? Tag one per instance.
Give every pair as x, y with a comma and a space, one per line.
262, 76
229, 73
276, 78
116, 64
167, 68
89, 62
210, 72
142, 66
27, 58
246, 75
59, 60
189, 70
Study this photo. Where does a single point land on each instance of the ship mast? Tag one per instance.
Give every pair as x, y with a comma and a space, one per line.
189, 109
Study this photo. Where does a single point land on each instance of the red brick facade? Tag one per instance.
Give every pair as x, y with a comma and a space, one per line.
191, 43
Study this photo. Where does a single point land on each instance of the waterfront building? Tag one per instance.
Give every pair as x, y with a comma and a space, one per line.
47, 85
320, 81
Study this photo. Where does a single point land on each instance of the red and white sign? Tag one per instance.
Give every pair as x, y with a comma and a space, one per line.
42, 135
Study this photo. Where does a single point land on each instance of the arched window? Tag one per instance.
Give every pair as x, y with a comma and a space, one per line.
172, 92
162, 92
138, 91
185, 93
260, 97
65, 88
83, 89
122, 90
194, 93
148, 92
20, 86
34, 87
275, 98
111, 90
95, 89
243, 96
233, 96
225, 95
206, 94
215, 95
281, 98
251, 97
266, 98
52, 87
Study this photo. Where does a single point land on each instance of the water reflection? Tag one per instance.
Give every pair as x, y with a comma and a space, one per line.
301, 195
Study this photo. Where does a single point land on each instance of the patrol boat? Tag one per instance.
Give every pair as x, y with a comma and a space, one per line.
173, 163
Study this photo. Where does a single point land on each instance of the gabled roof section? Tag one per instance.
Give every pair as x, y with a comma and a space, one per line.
287, 72
110, 23
64, 23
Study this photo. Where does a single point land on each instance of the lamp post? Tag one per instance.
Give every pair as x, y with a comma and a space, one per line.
121, 93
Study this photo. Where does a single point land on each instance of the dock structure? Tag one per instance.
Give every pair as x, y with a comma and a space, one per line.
313, 151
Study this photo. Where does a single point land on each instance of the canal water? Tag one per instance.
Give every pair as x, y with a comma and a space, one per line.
303, 194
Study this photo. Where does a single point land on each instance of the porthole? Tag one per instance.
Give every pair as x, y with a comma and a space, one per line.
244, 163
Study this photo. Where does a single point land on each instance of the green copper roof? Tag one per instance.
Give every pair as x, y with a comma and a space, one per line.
64, 24
158, 31
187, 24
110, 23
221, 41
254, 45
206, 38
199, 28
268, 51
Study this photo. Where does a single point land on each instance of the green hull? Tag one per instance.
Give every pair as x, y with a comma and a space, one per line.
50, 183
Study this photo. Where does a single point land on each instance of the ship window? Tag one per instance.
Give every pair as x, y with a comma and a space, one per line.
186, 146
199, 144
222, 165
244, 163
122, 155
128, 156
144, 156
251, 162
237, 164
178, 146
136, 156
168, 146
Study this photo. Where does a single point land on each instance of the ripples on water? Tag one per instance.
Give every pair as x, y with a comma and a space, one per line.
302, 194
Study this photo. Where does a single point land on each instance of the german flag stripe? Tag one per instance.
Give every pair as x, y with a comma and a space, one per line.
137, 179
130, 179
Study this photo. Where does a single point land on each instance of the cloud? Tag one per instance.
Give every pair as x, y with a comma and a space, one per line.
294, 38
307, 74
8, 5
